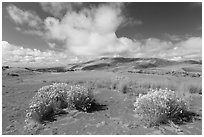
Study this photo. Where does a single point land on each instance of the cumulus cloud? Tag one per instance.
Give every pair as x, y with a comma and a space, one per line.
58, 9
24, 17
191, 48
90, 32
12, 54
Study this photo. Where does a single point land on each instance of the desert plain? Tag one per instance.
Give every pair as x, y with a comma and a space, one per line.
116, 83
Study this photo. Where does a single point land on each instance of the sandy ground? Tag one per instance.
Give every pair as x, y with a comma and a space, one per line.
115, 117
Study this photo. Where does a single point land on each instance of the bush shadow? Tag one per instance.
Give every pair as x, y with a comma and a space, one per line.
184, 118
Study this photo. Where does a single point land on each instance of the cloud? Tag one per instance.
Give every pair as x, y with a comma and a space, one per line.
18, 28
12, 54
52, 45
176, 38
191, 48
91, 33
172, 37
58, 9
131, 22
34, 32
24, 17
31, 31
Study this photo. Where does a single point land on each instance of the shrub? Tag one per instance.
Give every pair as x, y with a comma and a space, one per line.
122, 83
195, 89
52, 99
115, 81
14, 74
123, 87
159, 106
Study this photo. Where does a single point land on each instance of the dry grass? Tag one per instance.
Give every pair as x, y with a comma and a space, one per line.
77, 94
138, 86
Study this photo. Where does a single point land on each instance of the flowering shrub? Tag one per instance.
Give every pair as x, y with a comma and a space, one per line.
52, 99
160, 106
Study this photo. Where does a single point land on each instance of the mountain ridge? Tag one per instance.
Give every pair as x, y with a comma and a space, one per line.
140, 63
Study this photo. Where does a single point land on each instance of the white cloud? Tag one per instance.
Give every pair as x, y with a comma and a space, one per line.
24, 17
52, 45
185, 49
12, 55
90, 32
190, 48
58, 9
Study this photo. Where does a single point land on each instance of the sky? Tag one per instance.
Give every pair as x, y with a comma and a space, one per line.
54, 34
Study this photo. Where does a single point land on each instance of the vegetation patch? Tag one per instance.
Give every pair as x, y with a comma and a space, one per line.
195, 89
55, 99
162, 106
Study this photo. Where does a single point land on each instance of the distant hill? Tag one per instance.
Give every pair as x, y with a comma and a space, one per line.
192, 62
120, 62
